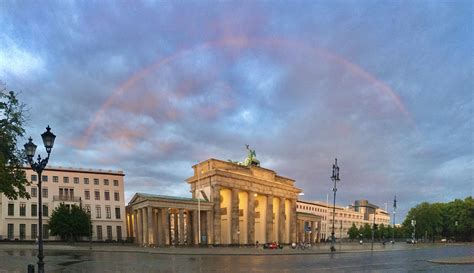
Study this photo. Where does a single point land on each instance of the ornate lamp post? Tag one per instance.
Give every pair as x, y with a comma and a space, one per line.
394, 213
38, 166
335, 178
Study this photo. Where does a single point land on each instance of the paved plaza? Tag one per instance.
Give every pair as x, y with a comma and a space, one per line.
400, 257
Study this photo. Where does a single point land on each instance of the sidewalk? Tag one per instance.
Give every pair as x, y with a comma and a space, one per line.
235, 250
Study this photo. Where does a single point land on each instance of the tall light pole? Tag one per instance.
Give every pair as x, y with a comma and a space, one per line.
38, 166
335, 178
413, 223
394, 213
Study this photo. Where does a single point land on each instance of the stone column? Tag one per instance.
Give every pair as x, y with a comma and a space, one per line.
251, 218
176, 228
234, 213
146, 237
311, 236
281, 221
209, 227
136, 229
195, 232
269, 220
189, 229
181, 227
165, 218
150, 225
216, 195
140, 227
159, 227
293, 220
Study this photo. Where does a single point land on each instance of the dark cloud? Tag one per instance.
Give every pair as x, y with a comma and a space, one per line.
152, 88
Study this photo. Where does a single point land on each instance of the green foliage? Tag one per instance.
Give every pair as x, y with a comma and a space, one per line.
439, 220
12, 159
70, 224
366, 231
353, 232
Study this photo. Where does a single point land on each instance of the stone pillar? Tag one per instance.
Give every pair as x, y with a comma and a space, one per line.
216, 195
234, 213
251, 218
159, 227
136, 229
150, 225
176, 228
189, 229
140, 227
293, 220
165, 218
281, 221
146, 237
209, 227
181, 227
269, 220
311, 236
195, 232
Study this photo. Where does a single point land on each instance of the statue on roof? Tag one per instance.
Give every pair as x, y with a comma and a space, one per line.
251, 159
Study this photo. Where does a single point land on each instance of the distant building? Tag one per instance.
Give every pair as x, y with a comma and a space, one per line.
358, 214
99, 192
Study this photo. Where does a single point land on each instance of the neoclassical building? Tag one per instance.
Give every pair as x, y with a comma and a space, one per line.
232, 203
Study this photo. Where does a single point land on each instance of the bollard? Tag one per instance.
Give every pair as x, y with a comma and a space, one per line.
31, 268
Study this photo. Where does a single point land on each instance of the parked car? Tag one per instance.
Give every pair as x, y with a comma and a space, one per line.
272, 246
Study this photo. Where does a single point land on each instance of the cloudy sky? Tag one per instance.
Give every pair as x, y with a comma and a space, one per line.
152, 87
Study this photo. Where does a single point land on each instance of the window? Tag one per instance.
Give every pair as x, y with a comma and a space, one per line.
97, 195
44, 178
22, 231
22, 209
99, 232
107, 212
45, 210
116, 196
11, 209
34, 177
34, 191
45, 232
65, 179
34, 210
117, 213
45, 192
87, 194
34, 231
106, 182
97, 212
96, 181
109, 232
11, 228
119, 233
76, 180
86, 181
106, 195
55, 179
116, 183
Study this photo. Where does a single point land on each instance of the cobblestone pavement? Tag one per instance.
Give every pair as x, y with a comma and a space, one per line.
400, 257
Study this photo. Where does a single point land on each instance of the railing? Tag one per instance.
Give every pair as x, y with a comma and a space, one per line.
66, 198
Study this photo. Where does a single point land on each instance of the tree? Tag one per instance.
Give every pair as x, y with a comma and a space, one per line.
367, 231
353, 232
69, 223
12, 159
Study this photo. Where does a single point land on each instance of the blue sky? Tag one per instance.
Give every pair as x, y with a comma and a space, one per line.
152, 87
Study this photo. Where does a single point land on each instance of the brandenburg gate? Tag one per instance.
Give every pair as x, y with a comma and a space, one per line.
232, 203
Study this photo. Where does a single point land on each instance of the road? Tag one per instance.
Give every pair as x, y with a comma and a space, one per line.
404, 260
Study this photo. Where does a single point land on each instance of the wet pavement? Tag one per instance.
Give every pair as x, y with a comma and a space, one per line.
351, 258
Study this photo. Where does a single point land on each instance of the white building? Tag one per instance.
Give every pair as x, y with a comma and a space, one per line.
344, 217
98, 191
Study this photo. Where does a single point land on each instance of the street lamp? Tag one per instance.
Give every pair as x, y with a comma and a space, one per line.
38, 166
413, 223
335, 178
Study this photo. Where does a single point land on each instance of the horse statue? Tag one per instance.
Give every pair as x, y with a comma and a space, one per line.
251, 159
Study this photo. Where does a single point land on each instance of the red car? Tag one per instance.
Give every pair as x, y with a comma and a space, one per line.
272, 246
